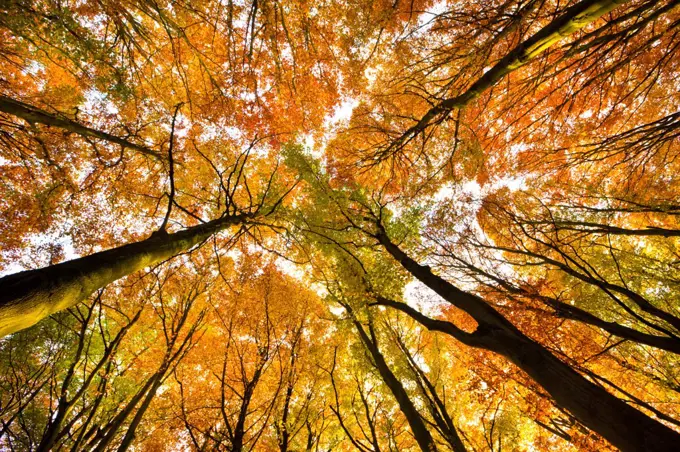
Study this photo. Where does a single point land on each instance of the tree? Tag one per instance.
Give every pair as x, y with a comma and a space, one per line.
493, 331
373, 225
32, 295
496, 333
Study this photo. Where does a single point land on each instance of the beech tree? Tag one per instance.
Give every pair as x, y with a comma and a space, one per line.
372, 225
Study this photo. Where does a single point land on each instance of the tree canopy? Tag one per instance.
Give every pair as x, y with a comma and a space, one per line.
341, 225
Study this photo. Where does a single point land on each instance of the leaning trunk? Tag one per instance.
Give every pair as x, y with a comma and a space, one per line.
32, 115
619, 423
29, 296
622, 425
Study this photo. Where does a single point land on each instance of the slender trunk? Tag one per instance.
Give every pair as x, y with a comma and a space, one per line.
581, 273
154, 382
28, 297
437, 406
310, 437
573, 19
106, 434
132, 429
622, 425
86, 431
240, 428
571, 312
32, 114
568, 311
64, 405
50, 435
6, 424
598, 228
418, 428
284, 435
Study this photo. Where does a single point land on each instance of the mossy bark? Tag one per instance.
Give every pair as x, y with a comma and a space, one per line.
30, 296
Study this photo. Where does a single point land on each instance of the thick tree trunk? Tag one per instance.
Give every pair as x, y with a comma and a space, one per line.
619, 423
622, 425
29, 296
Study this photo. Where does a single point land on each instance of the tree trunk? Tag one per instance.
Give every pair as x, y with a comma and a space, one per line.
622, 425
573, 19
418, 428
32, 115
132, 428
28, 297
437, 406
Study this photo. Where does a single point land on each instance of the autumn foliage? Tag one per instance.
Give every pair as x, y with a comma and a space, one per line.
339, 225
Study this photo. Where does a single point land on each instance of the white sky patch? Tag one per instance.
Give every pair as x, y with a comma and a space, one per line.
337, 311
35, 241
286, 55
425, 21
444, 193
473, 188
213, 130
420, 361
95, 100
248, 96
342, 112
182, 126
518, 147
341, 116
34, 68
309, 141
513, 183
298, 272
290, 269
11, 268
420, 297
